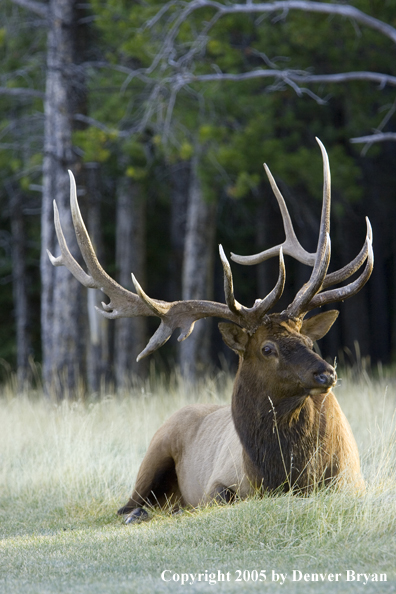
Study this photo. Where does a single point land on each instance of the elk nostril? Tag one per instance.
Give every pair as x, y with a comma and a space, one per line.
325, 379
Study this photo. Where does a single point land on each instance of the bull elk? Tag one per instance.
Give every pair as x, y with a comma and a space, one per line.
284, 429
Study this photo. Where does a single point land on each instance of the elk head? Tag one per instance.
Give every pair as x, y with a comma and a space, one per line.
279, 356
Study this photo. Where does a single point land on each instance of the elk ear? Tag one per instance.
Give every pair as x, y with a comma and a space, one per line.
234, 336
318, 326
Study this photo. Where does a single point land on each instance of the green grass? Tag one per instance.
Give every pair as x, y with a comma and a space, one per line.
66, 468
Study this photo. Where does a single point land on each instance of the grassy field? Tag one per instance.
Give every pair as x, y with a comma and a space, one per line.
66, 468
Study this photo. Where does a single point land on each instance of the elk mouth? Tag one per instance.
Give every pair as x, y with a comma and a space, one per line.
319, 383
318, 391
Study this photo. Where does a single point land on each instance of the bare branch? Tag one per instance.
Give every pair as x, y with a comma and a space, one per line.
175, 83
390, 111
79, 117
249, 8
378, 135
21, 91
159, 15
377, 77
344, 10
371, 138
290, 78
290, 75
132, 73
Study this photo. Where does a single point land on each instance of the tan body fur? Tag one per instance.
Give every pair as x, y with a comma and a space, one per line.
206, 450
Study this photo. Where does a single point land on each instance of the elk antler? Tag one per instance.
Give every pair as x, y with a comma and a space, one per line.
309, 296
176, 314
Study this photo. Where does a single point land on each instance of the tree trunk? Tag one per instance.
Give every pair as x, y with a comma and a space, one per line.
61, 294
180, 180
19, 285
130, 333
198, 274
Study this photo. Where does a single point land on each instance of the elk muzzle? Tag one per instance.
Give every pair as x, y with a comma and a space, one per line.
323, 379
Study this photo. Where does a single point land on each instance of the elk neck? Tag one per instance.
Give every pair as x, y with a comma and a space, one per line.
280, 413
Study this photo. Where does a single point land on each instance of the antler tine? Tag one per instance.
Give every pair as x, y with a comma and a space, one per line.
66, 259
233, 305
309, 290
123, 303
291, 246
159, 338
308, 297
323, 251
352, 288
326, 203
157, 308
343, 273
251, 317
262, 306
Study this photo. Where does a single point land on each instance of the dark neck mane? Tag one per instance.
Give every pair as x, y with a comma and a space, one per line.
280, 438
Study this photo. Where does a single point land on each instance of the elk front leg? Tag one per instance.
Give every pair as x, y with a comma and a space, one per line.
156, 484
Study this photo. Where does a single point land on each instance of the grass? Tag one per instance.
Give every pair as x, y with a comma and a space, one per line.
66, 468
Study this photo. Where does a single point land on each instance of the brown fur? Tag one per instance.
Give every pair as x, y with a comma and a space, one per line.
284, 429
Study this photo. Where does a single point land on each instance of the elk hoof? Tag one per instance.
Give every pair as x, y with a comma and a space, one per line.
223, 495
136, 516
178, 512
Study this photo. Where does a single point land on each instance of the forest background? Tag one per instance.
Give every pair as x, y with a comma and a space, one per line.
165, 113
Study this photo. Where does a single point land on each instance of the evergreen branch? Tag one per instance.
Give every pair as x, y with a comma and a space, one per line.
37, 7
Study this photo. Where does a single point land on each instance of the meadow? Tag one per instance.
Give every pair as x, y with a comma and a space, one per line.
66, 467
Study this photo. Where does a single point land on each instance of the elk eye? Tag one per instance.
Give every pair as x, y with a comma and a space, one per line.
268, 349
